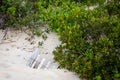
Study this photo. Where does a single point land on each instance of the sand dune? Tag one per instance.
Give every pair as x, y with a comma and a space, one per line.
16, 50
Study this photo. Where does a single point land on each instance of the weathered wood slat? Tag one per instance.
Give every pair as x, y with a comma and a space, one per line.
41, 64
36, 62
33, 57
48, 64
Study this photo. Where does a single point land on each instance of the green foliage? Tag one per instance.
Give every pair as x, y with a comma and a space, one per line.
38, 32
90, 39
90, 2
11, 10
40, 43
20, 13
44, 36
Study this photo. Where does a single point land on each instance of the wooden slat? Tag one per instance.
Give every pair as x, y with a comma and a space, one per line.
41, 64
48, 64
36, 62
33, 57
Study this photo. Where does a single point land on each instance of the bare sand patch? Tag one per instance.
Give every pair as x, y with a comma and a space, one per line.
17, 48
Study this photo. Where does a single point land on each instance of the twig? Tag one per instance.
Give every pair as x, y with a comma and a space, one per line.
4, 37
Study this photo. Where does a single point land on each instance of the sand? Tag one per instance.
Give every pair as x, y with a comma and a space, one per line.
16, 50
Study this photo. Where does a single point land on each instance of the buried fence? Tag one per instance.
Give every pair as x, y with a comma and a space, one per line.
40, 61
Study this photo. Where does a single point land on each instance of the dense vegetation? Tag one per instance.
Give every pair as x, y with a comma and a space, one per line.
90, 38
19, 13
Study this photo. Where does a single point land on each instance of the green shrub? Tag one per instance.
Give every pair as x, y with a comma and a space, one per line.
90, 40
20, 13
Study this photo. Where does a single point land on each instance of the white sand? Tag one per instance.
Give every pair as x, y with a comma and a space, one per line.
15, 52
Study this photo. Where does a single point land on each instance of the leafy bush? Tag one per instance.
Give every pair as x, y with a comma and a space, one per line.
90, 39
20, 13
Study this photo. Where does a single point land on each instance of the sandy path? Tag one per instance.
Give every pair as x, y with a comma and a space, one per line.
15, 52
